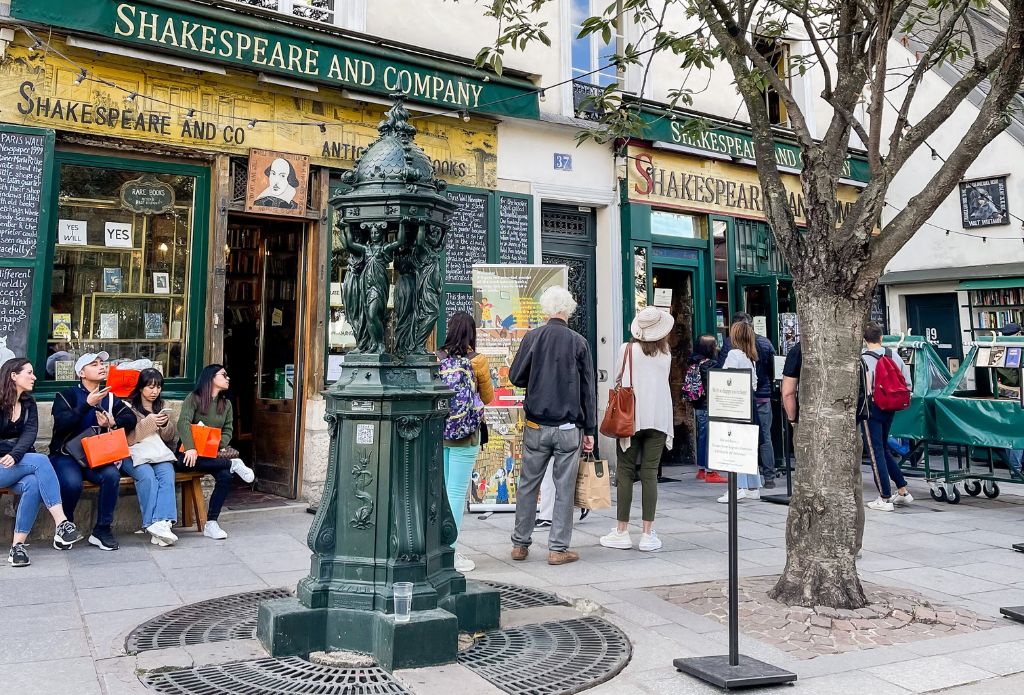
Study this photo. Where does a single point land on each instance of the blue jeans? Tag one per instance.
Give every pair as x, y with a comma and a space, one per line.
458, 468
154, 483
875, 431
33, 480
701, 417
766, 450
71, 474
1013, 459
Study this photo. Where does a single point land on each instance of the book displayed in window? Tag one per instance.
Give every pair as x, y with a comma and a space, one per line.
1013, 358
61, 326
154, 325
111, 279
108, 326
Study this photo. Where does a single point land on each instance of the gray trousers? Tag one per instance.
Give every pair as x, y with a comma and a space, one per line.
767, 451
562, 448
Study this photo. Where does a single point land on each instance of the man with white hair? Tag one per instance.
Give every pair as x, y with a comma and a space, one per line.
554, 365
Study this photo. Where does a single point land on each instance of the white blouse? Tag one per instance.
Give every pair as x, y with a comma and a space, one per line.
651, 391
737, 359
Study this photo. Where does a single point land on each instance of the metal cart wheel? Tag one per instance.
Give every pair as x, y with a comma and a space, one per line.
953, 494
991, 489
972, 487
938, 492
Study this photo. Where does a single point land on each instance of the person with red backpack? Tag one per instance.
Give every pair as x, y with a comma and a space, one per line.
885, 390
695, 390
467, 374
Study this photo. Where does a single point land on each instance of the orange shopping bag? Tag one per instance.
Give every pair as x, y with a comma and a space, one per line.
121, 382
206, 440
109, 447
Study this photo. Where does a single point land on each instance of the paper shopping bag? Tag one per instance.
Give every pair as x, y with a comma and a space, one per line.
593, 484
109, 447
121, 382
206, 440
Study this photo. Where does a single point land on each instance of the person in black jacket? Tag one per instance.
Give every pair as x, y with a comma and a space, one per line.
554, 365
76, 410
27, 473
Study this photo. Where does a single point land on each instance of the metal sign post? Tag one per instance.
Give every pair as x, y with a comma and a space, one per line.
732, 447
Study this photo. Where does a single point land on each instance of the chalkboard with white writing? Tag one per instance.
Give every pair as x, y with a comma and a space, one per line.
514, 229
22, 156
457, 301
15, 311
466, 242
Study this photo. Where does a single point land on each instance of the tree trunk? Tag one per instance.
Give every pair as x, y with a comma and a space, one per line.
826, 513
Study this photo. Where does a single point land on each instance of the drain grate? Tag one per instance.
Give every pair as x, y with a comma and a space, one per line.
272, 677
514, 596
215, 620
550, 658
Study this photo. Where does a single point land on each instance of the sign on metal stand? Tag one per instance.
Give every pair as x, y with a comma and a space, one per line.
733, 441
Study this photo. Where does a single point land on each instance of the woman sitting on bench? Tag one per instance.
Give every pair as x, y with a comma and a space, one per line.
25, 472
209, 405
152, 461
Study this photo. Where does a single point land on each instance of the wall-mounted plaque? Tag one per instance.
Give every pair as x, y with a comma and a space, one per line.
147, 195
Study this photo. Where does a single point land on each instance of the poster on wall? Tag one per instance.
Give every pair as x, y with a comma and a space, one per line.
789, 331
277, 183
983, 202
506, 306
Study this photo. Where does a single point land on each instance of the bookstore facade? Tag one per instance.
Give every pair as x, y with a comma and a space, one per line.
181, 215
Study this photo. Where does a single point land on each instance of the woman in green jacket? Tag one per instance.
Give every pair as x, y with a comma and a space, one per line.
209, 405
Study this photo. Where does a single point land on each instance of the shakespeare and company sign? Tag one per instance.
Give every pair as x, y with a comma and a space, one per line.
40, 90
695, 184
215, 35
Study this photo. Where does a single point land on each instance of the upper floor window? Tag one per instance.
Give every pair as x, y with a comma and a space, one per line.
326, 11
777, 55
591, 53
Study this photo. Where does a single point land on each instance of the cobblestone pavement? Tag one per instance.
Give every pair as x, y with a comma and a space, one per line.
891, 617
67, 614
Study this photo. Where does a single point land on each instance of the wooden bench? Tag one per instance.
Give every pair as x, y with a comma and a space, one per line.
193, 510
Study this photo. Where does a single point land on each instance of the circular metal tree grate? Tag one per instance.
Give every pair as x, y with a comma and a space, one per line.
215, 620
555, 658
272, 677
513, 596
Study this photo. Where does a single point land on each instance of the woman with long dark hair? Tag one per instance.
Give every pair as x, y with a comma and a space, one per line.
27, 473
209, 405
468, 375
152, 460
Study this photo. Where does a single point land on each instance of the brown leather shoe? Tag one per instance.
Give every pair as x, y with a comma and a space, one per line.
562, 558
519, 552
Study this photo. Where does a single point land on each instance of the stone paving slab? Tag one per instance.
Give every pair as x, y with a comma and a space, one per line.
930, 673
891, 617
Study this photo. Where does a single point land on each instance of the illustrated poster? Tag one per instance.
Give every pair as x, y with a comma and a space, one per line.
506, 306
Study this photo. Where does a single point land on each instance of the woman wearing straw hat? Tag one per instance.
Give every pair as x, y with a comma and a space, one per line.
644, 363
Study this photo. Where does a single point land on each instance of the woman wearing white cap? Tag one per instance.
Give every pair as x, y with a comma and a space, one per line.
644, 364
76, 410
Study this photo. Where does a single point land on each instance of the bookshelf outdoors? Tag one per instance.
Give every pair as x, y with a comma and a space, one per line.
993, 308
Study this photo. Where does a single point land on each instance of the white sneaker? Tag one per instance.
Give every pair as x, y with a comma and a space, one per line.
162, 530
463, 563
214, 531
649, 541
156, 541
880, 505
751, 495
741, 494
902, 499
614, 539
239, 468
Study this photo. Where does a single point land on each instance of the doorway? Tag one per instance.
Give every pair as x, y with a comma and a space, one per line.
569, 238
937, 318
262, 339
673, 290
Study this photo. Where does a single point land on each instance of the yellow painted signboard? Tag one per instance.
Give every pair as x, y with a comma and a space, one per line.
216, 113
706, 185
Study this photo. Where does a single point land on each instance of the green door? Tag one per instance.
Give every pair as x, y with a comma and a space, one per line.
759, 297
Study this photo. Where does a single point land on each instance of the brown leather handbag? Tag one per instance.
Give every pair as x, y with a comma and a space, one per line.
619, 418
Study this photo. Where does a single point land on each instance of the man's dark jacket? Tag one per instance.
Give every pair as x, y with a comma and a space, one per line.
765, 364
554, 365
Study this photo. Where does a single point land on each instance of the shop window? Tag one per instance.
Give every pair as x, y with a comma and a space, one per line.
777, 55
590, 53
639, 279
334, 12
121, 279
673, 224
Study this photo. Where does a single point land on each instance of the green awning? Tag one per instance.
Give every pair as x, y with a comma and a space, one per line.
991, 284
